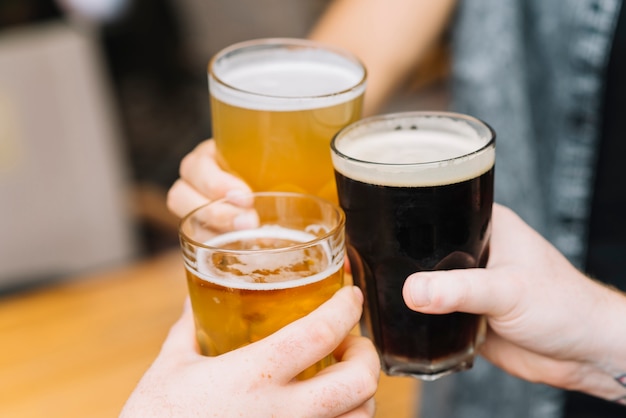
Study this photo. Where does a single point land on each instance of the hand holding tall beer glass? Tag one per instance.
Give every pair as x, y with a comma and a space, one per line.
248, 280
276, 104
417, 190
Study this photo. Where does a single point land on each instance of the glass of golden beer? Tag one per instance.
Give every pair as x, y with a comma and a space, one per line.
249, 279
276, 104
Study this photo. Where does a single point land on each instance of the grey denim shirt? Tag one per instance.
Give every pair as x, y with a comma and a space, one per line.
533, 70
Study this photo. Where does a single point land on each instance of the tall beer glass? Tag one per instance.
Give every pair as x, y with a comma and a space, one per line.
247, 282
417, 190
276, 104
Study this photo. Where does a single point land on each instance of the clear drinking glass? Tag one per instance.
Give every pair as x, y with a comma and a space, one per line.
417, 190
276, 104
247, 280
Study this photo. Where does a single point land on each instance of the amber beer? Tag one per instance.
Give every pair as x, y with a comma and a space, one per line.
246, 284
417, 190
276, 104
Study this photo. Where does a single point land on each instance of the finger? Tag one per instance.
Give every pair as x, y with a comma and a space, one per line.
359, 349
201, 171
526, 364
357, 354
345, 386
309, 339
479, 291
219, 217
501, 351
182, 198
365, 410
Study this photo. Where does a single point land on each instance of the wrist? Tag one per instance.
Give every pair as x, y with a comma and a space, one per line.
604, 372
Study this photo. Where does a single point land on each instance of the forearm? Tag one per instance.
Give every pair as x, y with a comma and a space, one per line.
389, 36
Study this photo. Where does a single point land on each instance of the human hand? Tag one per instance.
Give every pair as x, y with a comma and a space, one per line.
547, 321
201, 180
259, 379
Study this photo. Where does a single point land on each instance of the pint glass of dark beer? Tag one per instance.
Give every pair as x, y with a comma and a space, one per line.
417, 191
248, 279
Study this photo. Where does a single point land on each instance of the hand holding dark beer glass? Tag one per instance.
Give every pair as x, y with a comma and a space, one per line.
417, 190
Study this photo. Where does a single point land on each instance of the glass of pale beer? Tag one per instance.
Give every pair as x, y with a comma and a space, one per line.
276, 104
417, 191
248, 279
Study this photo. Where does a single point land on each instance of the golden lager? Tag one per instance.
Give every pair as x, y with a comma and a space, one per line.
244, 285
276, 104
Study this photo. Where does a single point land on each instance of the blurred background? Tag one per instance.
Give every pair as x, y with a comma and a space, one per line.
99, 101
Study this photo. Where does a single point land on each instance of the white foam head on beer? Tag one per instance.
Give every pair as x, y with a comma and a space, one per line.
248, 261
288, 80
441, 151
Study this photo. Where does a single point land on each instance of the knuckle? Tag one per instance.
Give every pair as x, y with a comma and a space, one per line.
448, 295
173, 195
322, 333
187, 164
368, 383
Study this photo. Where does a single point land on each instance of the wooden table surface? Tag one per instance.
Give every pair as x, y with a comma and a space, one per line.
79, 347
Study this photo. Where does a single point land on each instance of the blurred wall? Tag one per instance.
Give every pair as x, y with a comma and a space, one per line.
212, 25
63, 177
157, 53
89, 116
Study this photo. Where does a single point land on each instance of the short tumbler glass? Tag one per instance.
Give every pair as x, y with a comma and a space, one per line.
258, 262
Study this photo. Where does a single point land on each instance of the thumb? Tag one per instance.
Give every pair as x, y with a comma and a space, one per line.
479, 291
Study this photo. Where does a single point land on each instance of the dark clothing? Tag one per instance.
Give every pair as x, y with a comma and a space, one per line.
606, 250
606, 255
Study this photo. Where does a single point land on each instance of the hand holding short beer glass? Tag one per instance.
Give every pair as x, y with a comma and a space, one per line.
258, 380
249, 279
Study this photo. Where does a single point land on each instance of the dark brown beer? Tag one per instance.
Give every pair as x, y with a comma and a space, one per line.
403, 215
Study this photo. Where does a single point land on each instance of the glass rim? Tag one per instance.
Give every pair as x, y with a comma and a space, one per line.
286, 42
416, 115
341, 220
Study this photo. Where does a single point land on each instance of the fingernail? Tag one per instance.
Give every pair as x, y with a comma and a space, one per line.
246, 220
240, 198
358, 293
419, 290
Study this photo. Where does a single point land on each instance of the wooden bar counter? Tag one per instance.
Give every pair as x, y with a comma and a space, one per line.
78, 348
